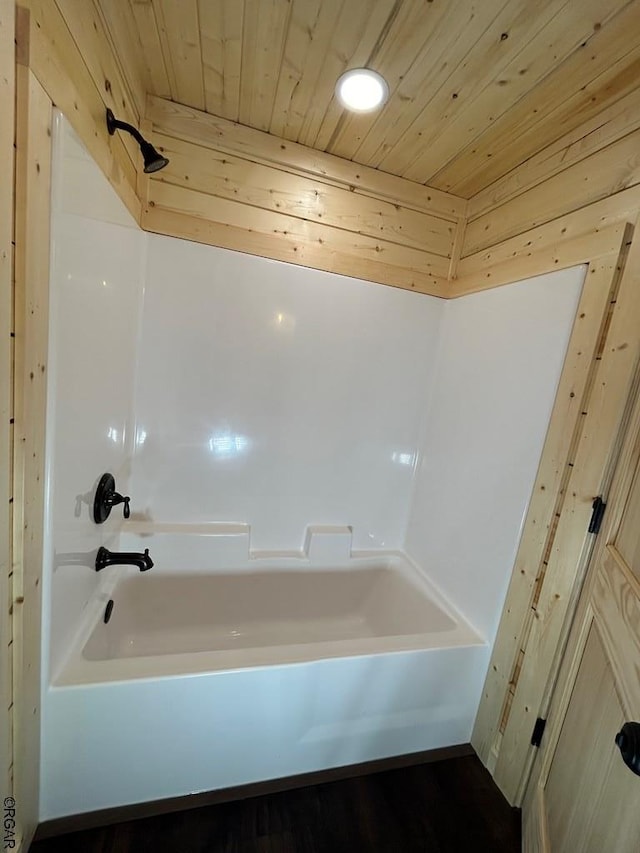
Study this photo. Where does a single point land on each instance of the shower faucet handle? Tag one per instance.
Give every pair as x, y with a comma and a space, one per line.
106, 498
116, 499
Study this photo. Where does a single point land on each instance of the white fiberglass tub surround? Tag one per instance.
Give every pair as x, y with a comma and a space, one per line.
218, 678
279, 397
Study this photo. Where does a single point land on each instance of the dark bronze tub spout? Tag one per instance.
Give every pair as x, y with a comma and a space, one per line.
106, 558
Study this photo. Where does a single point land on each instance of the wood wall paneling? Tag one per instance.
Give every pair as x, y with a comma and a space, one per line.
296, 204
583, 183
195, 126
219, 222
221, 174
82, 91
550, 247
608, 126
151, 57
7, 98
32, 216
600, 175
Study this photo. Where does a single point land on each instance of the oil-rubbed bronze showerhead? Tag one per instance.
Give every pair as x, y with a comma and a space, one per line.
153, 161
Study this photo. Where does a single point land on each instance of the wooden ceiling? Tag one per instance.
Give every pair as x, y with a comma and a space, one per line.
477, 86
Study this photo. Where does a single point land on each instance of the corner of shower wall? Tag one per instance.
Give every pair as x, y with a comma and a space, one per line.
500, 360
97, 252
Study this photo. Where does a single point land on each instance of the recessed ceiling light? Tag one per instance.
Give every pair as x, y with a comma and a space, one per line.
361, 90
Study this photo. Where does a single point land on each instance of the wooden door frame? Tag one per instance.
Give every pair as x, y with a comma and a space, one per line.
575, 467
535, 839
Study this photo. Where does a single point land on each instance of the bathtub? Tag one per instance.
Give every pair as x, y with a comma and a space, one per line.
216, 678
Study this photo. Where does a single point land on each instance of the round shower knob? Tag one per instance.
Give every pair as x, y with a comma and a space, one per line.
106, 498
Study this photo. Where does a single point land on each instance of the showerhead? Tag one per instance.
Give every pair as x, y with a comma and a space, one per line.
153, 161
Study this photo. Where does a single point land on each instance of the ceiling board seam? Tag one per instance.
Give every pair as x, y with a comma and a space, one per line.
196, 5
384, 32
281, 63
242, 57
445, 81
530, 227
557, 69
551, 174
434, 50
508, 60
138, 107
161, 24
157, 87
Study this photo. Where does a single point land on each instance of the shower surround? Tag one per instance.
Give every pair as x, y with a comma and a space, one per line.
301, 450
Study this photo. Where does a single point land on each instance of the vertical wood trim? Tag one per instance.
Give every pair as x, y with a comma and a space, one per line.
32, 224
552, 482
7, 97
594, 460
535, 837
59, 65
458, 242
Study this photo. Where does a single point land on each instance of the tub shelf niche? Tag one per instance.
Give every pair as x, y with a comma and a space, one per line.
324, 543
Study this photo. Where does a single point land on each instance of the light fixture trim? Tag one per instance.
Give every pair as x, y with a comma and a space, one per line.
362, 90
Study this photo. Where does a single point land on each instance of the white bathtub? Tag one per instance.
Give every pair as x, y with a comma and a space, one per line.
210, 680
173, 624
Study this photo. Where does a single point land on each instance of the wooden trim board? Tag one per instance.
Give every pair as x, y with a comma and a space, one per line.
104, 817
190, 125
551, 557
32, 222
243, 189
7, 114
82, 85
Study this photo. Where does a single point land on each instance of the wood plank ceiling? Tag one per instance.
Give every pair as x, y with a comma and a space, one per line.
477, 86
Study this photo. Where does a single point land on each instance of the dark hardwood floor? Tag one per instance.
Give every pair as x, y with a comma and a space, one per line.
447, 806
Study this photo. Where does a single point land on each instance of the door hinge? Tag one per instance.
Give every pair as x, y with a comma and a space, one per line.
597, 515
538, 731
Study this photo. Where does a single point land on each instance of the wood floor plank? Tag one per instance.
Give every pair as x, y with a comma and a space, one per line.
448, 806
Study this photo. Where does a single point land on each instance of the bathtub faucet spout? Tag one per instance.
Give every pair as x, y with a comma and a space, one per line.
106, 558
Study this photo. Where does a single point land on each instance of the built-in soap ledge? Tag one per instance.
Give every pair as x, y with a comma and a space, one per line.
146, 527
215, 546
189, 547
324, 544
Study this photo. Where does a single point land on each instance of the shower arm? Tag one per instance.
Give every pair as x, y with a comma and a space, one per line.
114, 124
